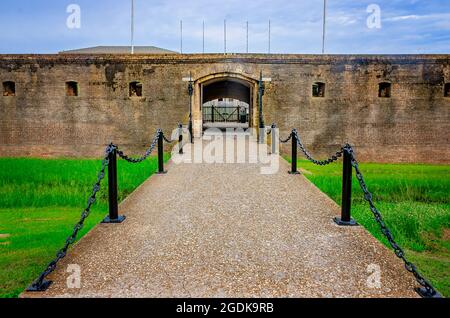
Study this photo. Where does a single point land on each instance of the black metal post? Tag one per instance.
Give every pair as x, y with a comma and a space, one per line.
347, 171
161, 153
262, 126
180, 139
113, 216
191, 92
274, 139
294, 153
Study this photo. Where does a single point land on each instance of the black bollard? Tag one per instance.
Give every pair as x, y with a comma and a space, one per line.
180, 139
347, 171
161, 153
113, 216
294, 154
191, 132
274, 139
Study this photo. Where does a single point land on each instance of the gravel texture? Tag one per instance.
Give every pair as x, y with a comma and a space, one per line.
226, 230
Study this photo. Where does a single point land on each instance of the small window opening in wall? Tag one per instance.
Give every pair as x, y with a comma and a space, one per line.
135, 89
9, 88
318, 89
447, 90
71, 88
384, 90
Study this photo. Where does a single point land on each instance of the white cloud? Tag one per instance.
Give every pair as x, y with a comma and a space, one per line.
435, 17
403, 17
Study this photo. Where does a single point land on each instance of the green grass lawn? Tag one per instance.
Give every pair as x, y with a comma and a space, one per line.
414, 200
40, 202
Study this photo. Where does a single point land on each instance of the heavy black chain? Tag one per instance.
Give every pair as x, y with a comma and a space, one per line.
38, 283
333, 158
180, 132
430, 291
283, 141
167, 140
147, 152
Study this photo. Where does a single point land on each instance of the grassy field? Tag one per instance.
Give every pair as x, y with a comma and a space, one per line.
415, 202
40, 201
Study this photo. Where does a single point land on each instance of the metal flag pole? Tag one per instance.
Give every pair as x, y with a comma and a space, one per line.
269, 36
132, 26
203, 50
324, 25
247, 36
225, 36
181, 36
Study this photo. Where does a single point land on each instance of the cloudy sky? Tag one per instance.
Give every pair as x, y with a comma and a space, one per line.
407, 26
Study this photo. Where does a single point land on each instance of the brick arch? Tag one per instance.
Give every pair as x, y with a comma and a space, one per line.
226, 75
226, 88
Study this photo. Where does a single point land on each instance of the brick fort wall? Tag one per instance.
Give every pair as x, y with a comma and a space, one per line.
412, 125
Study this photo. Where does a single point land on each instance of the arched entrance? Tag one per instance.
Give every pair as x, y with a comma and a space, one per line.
225, 100
226, 103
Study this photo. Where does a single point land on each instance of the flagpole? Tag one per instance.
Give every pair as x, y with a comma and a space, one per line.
324, 25
181, 36
225, 36
247, 36
132, 26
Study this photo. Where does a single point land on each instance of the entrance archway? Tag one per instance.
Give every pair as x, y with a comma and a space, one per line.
226, 104
225, 100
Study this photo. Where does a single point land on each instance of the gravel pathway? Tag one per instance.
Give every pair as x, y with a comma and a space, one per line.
226, 230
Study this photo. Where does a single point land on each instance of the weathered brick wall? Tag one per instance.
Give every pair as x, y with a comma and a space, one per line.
411, 126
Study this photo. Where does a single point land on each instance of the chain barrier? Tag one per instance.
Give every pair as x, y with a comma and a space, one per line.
428, 291
147, 153
283, 141
39, 284
325, 162
167, 140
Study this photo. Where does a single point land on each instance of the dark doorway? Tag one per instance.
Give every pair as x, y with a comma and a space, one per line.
71, 88
135, 89
318, 89
226, 103
9, 88
384, 90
